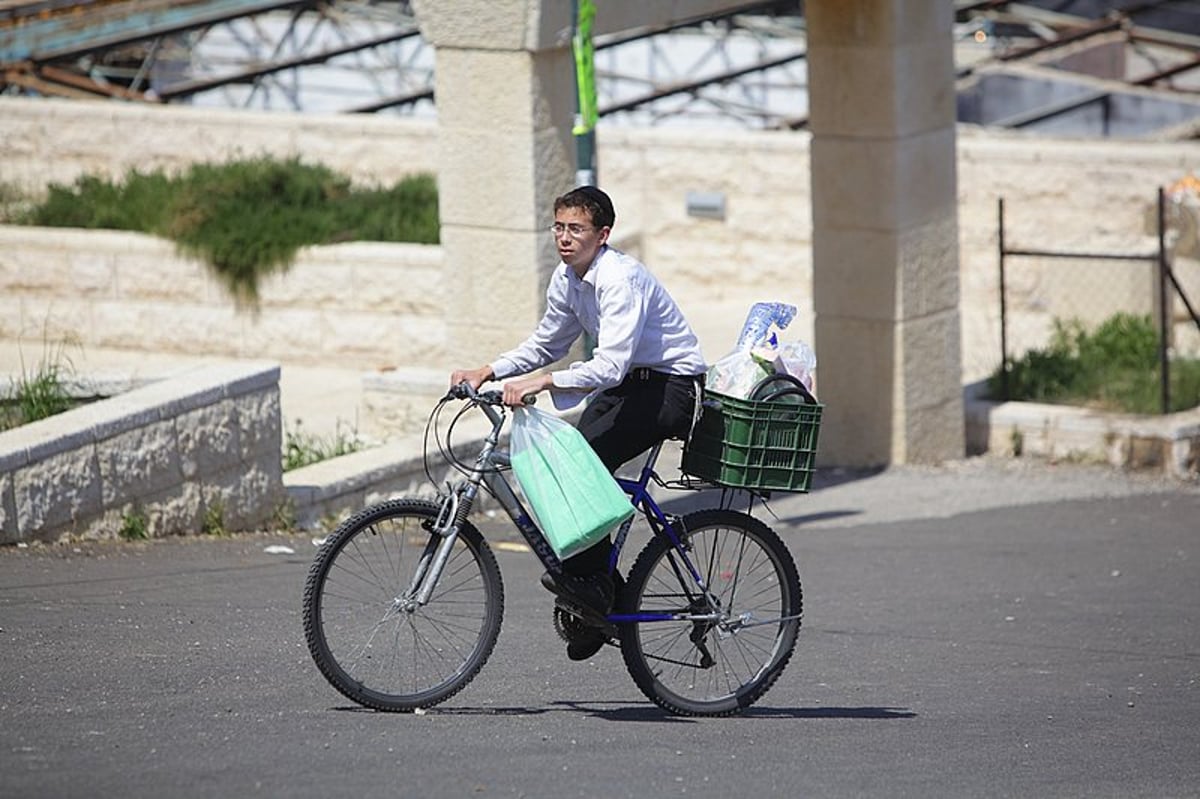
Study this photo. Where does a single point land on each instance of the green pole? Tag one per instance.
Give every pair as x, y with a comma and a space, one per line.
583, 13
586, 111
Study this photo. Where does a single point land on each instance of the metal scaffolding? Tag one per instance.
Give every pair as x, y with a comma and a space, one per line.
746, 68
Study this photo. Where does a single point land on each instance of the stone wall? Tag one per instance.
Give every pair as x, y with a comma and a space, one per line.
44, 141
366, 304
1061, 194
200, 447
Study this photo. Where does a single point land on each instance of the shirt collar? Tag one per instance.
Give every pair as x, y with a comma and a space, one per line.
589, 276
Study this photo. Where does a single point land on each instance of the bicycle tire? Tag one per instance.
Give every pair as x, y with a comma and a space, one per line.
750, 570
366, 643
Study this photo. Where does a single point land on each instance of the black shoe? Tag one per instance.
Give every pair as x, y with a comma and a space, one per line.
594, 593
583, 639
585, 643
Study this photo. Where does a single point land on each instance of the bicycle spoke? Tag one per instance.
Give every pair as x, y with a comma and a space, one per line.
365, 631
718, 657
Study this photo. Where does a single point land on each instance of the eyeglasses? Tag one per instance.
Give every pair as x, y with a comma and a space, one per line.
573, 229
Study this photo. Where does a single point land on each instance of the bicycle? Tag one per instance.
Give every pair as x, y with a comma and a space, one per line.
404, 600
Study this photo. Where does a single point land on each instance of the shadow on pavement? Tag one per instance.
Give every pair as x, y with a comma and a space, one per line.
649, 712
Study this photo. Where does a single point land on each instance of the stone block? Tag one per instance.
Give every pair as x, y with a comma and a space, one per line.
9, 532
857, 378
12, 315
508, 278
56, 492
245, 497
208, 439
298, 334
259, 424
930, 360
929, 270
142, 461
503, 180
165, 327
932, 434
481, 24
847, 23
159, 274
869, 92
857, 274
524, 92
177, 510
883, 184
307, 282
53, 267
374, 339
162, 399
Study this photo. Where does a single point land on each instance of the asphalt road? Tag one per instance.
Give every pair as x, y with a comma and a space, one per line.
1048, 649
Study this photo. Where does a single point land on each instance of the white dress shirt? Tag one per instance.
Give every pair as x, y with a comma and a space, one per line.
633, 320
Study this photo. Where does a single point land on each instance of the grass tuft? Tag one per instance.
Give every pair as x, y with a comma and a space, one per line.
304, 449
38, 394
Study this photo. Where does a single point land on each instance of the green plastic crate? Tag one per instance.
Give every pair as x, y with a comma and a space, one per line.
742, 443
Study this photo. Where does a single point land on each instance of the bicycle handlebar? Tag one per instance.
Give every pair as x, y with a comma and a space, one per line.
465, 391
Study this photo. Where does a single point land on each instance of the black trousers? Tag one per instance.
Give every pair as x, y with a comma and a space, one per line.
624, 421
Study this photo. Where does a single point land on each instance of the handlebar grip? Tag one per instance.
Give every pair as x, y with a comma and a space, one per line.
460, 391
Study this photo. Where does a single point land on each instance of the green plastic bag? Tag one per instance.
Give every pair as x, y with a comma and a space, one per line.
573, 498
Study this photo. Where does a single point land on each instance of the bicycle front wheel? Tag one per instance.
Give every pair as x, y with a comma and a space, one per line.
722, 651
366, 632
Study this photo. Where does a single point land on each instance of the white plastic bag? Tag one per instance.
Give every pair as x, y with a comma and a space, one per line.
572, 497
798, 360
736, 374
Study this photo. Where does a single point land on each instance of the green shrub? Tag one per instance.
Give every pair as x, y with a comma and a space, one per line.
246, 219
1116, 367
12, 203
141, 202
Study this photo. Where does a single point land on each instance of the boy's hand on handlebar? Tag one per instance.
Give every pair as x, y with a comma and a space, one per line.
476, 377
515, 391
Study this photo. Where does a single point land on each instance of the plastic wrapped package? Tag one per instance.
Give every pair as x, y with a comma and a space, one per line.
736, 374
798, 360
758, 353
757, 327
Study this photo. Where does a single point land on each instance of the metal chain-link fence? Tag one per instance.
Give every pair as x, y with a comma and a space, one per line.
1049, 293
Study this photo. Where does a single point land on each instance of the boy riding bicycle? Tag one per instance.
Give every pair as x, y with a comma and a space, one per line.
646, 366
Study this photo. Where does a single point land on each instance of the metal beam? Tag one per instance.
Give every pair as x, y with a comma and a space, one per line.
1083, 32
391, 102
190, 87
1163, 74
688, 87
1047, 111
65, 36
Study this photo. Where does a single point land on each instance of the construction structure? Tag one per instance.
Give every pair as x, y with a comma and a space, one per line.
1084, 67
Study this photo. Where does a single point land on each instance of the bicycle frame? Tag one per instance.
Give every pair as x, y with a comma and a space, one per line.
488, 471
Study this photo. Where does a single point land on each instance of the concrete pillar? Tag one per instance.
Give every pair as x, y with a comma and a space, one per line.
506, 103
885, 230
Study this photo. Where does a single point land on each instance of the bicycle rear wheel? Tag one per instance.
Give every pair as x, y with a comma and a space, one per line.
721, 664
367, 636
